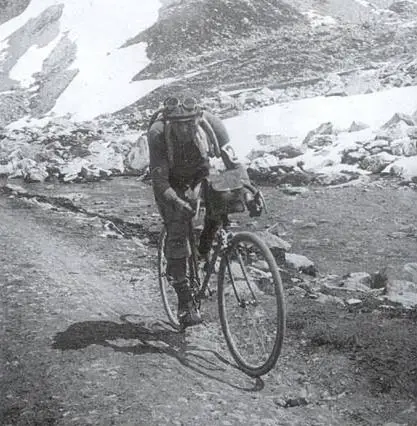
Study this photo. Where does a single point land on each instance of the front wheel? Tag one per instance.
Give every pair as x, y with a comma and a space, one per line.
169, 297
251, 304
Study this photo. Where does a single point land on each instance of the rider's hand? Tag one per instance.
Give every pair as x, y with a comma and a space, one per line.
186, 208
253, 204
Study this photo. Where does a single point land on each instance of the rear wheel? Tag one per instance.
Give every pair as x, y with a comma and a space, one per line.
251, 304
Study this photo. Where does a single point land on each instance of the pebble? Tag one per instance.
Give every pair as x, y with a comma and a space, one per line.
352, 302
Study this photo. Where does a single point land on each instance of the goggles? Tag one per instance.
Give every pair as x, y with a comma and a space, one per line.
189, 104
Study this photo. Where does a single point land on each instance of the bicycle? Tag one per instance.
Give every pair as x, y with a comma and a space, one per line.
249, 292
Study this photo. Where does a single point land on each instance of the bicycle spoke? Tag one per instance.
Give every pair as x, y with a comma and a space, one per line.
251, 305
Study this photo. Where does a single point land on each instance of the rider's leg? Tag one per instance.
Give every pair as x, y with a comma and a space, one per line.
211, 225
177, 252
188, 313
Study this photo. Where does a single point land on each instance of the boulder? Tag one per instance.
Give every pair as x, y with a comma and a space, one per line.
376, 163
404, 7
323, 129
92, 173
357, 126
289, 151
138, 157
295, 178
275, 139
319, 141
103, 156
402, 292
282, 151
412, 132
70, 171
335, 178
398, 118
300, 263
352, 156
359, 281
377, 146
405, 167
414, 116
277, 245
405, 146
264, 163
36, 174
226, 101
411, 270
273, 241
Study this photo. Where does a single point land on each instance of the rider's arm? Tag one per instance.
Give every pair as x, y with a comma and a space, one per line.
231, 161
159, 167
158, 159
228, 155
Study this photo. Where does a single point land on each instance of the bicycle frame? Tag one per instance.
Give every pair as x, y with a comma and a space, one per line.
222, 237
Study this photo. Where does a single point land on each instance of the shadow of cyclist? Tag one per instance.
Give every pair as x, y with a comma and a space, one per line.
154, 337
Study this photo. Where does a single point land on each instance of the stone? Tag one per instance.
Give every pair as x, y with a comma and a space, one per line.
376, 163
357, 126
265, 162
293, 190
404, 146
382, 144
273, 241
402, 292
138, 157
351, 156
300, 263
404, 8
353, 302
336, 91
277, 245
398, 118
289, 151
412, 132
327, 298
36, 174
226, 101
379, 279
295, 178
273, 139
335, 178
324, 129
411, 270
360, 281
405, 167
319, 141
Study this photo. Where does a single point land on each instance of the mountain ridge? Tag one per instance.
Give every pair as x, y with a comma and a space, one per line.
212, 46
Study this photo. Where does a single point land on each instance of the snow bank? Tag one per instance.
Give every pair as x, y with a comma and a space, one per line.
98, 27
295, 119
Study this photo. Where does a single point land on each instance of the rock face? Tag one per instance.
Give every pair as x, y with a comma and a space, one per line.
38, 96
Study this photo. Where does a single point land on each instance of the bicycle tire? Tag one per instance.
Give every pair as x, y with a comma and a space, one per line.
167, 291
254, 369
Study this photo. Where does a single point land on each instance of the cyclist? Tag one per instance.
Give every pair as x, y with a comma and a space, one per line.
182, 137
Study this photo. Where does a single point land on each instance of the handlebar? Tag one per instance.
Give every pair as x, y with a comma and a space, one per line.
257, 194
195, 197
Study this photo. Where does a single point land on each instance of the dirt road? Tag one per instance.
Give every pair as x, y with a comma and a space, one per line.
84, 338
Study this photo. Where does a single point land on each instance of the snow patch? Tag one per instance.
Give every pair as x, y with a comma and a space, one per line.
98, 28
317, 20
296, 118
30, 63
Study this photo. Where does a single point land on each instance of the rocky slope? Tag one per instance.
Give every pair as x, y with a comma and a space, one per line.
235, 55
